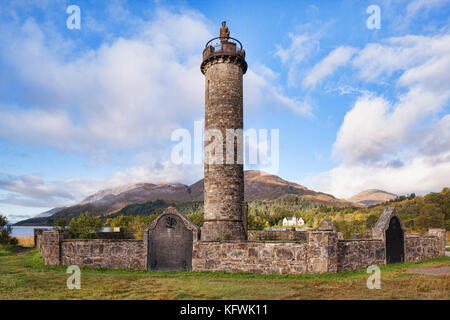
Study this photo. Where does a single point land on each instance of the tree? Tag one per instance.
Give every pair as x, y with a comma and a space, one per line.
133, 224
257, 223
139, 223
85, 226
60, 224
196, 218
5, 232
122, 222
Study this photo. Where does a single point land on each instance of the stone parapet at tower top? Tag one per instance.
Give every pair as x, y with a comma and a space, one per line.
224, 65
223, 47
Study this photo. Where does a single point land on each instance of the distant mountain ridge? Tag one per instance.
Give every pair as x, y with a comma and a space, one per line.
49, 213
258, 186
372, 196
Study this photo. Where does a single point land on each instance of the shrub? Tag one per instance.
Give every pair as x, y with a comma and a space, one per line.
85, 226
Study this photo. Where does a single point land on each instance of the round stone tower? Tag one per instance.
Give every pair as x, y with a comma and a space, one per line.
223, 65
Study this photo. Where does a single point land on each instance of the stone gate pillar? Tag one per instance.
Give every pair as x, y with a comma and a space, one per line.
441, 234
323, 248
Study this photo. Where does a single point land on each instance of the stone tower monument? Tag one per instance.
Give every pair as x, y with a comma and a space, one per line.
224, 208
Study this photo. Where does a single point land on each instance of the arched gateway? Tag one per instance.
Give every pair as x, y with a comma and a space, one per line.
170, 239
390, 229
395, 242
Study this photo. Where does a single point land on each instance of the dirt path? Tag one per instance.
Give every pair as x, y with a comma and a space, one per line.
23, 250
432, 271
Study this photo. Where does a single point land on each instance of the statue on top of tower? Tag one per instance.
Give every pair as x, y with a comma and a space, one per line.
224, 32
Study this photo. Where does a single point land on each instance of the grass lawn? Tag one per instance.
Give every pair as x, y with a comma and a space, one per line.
23, 276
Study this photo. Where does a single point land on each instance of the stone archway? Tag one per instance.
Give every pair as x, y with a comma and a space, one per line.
390, 229
395, 244
169, 242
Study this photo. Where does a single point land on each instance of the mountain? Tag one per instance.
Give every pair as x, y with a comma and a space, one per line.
372, 197
263, 186
258, 186
49, 213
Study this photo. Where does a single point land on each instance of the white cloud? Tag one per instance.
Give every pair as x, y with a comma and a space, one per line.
156, 172
419, 176
400, 144
417, 7
375, 127
127, 93
378, 61
328, 65
405, 16
300, 48
123, 94
34, 191
261, 86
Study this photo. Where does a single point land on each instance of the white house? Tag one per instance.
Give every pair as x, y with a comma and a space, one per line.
294, 221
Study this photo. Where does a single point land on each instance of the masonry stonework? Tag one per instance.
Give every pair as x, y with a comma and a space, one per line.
105, 253
419, 247
250, 256
50, 244
224, 207
360, 253
322, 251
441, 234
288, 234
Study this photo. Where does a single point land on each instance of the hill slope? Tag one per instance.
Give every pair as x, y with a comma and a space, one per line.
372, 196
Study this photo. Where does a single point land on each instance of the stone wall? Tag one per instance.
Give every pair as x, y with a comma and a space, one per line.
106, 253
288, 234
115, 235
318, 251
360, 253
316, 255
250, 256
420, 247
57, 249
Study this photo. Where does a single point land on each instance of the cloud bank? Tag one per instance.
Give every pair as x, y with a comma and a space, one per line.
401, 144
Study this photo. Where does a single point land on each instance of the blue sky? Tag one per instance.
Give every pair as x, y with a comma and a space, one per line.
356, 108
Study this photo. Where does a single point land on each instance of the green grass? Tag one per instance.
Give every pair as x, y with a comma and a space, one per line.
23, 276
